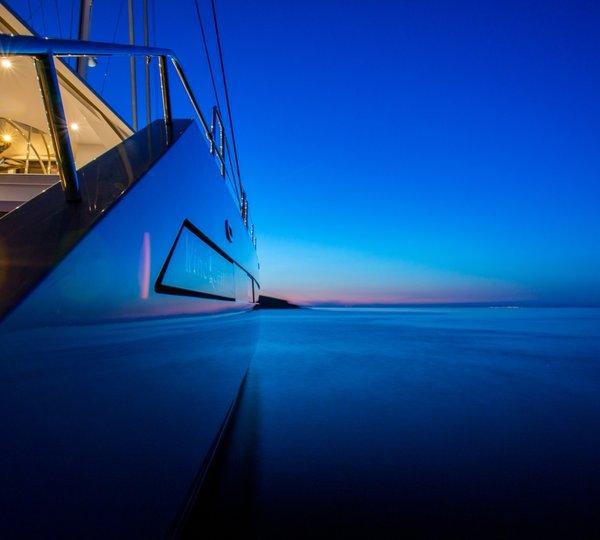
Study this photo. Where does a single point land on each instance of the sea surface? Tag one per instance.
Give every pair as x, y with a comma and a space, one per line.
414, 423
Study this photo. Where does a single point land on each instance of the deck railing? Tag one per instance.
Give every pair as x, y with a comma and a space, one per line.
44, 50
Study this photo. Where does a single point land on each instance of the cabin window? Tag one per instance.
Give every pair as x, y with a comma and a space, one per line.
93, 127
27, 159
196, 268
28, 162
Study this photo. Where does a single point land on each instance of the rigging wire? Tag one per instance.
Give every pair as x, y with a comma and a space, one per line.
72, 61
113, 41
72, 19
154, 43
153, 19
43, 17
212, 76
58, 19
237, 163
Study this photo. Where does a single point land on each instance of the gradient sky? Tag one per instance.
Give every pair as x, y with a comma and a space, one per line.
410, 151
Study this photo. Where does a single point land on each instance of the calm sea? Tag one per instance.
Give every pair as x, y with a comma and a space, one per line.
428, 423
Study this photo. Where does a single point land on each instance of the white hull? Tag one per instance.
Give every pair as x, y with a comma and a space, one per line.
113, 394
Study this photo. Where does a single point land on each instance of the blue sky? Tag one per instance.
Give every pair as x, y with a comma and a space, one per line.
423, 150
412, 151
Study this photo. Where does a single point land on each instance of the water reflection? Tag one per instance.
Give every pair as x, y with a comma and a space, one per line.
227, 500
463, 423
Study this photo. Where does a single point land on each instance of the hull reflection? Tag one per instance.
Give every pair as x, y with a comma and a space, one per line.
109, 427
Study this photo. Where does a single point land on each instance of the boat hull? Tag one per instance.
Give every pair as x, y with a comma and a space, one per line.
115, 390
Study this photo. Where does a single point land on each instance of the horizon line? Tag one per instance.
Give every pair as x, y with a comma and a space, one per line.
444, 304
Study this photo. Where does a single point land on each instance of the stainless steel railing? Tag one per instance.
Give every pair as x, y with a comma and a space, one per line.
43, 51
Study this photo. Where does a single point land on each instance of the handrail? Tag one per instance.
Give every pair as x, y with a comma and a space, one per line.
33, 46
216, 117
43, 49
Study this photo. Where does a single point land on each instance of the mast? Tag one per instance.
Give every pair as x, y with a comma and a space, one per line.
148, 110
85, 17
134, 118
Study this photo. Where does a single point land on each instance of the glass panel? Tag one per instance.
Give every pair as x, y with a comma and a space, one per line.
27, 161
94, 127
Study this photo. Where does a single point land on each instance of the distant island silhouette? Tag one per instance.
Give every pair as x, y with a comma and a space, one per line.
270, 302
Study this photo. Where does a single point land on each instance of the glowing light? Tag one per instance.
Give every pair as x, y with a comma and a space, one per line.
5, 63
6, 137
75, 126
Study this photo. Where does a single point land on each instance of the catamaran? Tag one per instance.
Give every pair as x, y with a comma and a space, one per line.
128, 274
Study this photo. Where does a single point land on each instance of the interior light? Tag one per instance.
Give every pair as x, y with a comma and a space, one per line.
75, 126
6, 137
5, 62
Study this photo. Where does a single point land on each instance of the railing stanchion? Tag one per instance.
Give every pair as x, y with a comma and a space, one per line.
166, 94
57, 122
222, 146
213, 121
